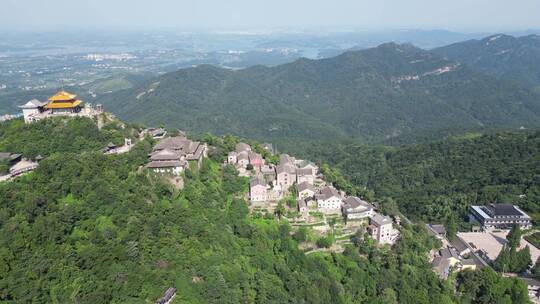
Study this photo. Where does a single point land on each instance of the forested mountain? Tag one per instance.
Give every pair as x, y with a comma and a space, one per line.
502, 56
436, 180
90, 228
372, 95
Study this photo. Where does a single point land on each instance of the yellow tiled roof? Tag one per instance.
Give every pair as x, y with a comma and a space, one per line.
63, 105
62, 96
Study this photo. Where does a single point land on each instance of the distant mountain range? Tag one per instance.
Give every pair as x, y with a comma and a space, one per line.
502, 56
372, 95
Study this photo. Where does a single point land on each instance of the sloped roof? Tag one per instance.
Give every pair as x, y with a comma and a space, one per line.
380, 219
198, 152
439, 229
23, 165
503, 210
304, 171
178, 143
63, 105
305, 186
62, 96
257, 181
33, 104
165, 154
242, 147
355, 202
305, 163
286, 158
328, 192
281, 168
165, 164
9, 156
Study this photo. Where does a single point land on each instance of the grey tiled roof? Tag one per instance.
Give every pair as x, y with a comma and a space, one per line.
165, 164
327, 192
304, 186
355, 202
380, 219
257, 181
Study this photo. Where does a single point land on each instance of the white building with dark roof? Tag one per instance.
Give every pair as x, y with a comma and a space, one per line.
174, 155
305, 190
499, 216
285, 176
355, 208
380, 228
32, 109
258, 189
329, 200
305, 175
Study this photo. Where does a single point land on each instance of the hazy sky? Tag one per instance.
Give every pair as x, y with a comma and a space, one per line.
373, 14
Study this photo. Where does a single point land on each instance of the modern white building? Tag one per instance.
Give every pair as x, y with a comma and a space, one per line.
499, 216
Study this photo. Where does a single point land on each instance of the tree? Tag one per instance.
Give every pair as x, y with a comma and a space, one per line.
301, 235
389, 296
522, 260
502, 262
325, 242
536, 269
514, 236
451, 227
280, 210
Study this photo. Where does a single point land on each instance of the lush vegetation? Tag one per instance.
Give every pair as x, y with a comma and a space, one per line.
502, 56
435, 180
59, 136
369, 95
90, 228
510, 259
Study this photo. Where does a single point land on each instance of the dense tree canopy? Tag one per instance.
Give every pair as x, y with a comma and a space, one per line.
90, 228
431, 181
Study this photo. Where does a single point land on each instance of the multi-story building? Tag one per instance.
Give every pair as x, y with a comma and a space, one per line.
175, 154
499, 216
380, 228
258, 190
354, 208
329, 200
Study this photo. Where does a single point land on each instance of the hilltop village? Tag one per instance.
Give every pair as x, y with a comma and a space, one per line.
314, 202
295, 190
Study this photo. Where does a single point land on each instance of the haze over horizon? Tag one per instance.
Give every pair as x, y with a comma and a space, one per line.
459, 15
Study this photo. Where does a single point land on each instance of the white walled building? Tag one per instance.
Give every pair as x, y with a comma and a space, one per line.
258, 190
381, 229
355, 208
329, 200
305, 190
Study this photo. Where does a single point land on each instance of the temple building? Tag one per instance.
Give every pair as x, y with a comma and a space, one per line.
174, 155
60, 104
63, 102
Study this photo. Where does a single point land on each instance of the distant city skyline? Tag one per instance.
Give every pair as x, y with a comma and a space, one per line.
457, 15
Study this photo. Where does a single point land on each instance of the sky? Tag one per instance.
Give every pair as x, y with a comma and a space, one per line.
462, 15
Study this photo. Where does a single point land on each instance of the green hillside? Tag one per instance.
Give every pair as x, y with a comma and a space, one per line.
372, 95
434, 180
502, 56
90, 228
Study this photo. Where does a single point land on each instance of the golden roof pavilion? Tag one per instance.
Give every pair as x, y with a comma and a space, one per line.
63, 100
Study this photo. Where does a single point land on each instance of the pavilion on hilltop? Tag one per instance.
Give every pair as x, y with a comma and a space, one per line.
63, 102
